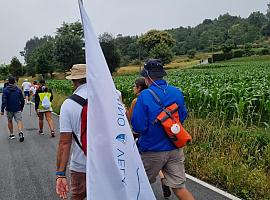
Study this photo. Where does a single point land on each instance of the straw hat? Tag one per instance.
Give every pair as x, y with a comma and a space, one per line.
77, 71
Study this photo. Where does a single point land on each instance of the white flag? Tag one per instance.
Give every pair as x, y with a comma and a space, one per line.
114, 168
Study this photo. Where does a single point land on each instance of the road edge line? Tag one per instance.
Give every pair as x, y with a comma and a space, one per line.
211, 187
215, 189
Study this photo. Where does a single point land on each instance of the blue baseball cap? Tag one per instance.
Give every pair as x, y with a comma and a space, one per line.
153, 68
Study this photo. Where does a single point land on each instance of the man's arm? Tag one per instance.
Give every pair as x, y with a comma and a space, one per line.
51, 98
182, 108
4, 102
139, 119
21, 100
63, 154
36, 100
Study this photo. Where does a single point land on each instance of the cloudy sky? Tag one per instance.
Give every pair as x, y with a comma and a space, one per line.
22, 20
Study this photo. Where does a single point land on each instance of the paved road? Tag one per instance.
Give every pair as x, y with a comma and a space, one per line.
27, 169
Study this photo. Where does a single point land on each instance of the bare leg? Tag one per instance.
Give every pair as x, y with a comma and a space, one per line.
49, 120
10, 126
182, 194
40, 123
20, 126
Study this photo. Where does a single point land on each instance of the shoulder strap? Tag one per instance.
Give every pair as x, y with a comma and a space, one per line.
156, 98
77, 140
78, 99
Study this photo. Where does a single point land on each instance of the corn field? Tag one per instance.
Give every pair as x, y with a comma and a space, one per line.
237, 91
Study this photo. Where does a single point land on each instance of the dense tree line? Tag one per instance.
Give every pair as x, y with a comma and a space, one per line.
49, 54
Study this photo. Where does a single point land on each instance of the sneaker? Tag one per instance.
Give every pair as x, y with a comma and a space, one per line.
166, 191
52, 134
11, 136
21, 136
41, 132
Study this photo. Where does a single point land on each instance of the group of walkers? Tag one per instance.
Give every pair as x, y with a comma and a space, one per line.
159, 155
15, 98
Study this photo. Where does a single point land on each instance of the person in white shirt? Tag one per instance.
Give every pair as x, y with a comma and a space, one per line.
26, 89
33, 90
70, 122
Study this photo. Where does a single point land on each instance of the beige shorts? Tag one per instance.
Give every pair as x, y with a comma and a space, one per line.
78, 185
170, 162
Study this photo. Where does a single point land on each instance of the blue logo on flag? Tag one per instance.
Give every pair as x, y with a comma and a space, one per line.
121, 138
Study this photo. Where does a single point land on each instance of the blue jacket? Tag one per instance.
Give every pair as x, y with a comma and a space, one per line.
12, 99
152, 136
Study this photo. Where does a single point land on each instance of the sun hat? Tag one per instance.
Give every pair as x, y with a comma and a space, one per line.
77, 71
153, 68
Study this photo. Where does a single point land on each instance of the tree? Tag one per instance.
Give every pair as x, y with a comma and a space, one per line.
268, 11
158, 44
15, 68
154, 37
42, 60
257, 19
4, 71
110, 51
163, 52
266, 30
69, 45
32, 44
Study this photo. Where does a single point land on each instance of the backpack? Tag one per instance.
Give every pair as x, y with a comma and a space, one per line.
46, 104
169, 120
82, 143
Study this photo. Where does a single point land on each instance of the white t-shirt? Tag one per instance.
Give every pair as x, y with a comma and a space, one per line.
33, 89
26, 86
70, 121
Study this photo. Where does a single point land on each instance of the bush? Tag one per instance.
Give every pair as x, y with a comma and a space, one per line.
222, 56
262, 51
238, 53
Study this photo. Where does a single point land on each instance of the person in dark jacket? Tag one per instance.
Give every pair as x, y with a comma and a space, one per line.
43, 106
13, 103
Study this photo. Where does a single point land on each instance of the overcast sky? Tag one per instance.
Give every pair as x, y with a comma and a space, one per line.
22, 20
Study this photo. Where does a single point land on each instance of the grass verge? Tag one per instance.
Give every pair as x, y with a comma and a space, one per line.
230, 157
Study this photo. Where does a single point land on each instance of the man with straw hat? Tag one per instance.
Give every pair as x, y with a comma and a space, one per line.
70, 130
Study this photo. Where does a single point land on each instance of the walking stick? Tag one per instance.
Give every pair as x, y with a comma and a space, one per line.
30, 106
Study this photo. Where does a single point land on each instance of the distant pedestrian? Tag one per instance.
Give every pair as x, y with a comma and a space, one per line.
6, 83
26, 85
13, 103
33, 90
43, 106
139, 85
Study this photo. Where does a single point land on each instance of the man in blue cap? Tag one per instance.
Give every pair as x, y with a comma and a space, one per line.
157, 150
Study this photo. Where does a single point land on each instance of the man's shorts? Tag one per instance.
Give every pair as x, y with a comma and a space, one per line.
17, 116
170, 162
78, 185
26, 93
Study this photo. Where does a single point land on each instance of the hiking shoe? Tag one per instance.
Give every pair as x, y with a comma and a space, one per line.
41, 132
11, 136
52, 134
166, 191
21, 136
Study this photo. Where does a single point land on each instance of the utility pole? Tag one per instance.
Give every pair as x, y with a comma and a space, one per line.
212, 50
140, 67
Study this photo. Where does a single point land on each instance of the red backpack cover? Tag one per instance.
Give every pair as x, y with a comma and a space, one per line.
82, 143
